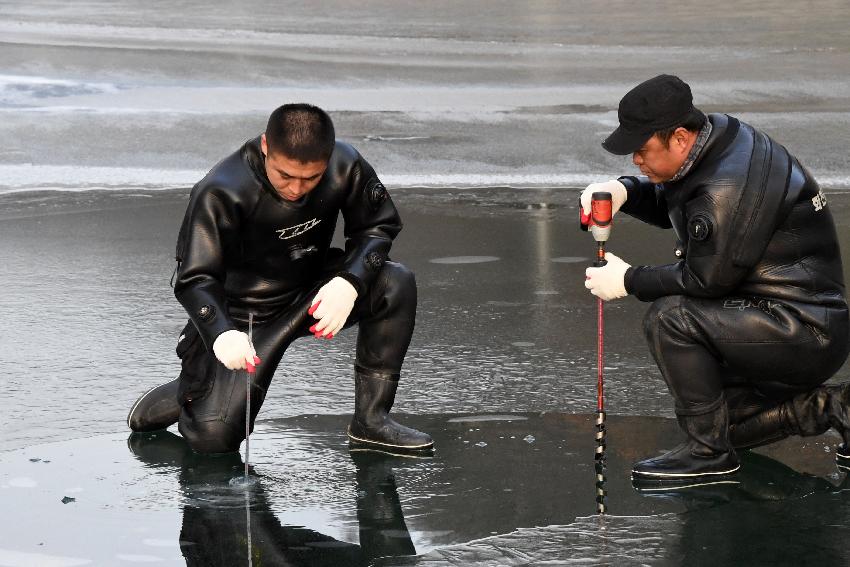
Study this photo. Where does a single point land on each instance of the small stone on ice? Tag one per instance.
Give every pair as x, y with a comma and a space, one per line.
528, 438
67, 499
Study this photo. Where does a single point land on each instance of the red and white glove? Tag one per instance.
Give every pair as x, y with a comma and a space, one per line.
233, 349
332, 306
607, 282
618, 195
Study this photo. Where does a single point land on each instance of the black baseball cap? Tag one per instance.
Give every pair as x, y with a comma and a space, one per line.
659, 103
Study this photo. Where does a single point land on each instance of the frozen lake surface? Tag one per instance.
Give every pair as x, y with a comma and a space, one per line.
501, 371
500, 490
482, 118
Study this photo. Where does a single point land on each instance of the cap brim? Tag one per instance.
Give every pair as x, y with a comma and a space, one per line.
621, 142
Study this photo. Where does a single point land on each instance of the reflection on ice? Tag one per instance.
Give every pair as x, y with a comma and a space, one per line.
480, 418
221, 527
464, 259
770, 515
243, 482
489, 496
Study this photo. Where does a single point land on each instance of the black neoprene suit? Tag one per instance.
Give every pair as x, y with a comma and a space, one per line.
755, 307
243, 249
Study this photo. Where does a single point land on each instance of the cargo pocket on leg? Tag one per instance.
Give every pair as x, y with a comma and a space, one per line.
196, 365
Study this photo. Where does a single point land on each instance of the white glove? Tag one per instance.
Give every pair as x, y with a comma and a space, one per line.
608, 281
332, 306
233, 350
617, 190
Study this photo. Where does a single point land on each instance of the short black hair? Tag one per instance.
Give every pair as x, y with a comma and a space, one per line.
693, 122
300, 131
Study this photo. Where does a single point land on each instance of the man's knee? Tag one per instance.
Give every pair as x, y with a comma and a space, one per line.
663, 314
211, 436
156, 409
400, 284
400, 276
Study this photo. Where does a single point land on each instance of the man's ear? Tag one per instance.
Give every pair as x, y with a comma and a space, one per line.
263, 145
681, 138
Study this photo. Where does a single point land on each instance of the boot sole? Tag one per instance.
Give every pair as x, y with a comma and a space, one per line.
679, 477
388, 446
656, 486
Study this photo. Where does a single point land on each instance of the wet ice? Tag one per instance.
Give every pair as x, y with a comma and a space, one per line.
468, 95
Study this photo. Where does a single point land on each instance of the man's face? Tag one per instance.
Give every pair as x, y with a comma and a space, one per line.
291, 178
659, 162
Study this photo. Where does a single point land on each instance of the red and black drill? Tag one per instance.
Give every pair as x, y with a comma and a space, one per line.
599, 223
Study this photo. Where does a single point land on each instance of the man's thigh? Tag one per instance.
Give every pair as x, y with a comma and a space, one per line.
213, 398
762, 342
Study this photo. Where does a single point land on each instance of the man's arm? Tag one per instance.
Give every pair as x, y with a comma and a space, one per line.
371, 223
645, 201
199, 286
709, 268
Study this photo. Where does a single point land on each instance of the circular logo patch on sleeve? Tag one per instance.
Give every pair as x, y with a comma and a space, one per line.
376, 193
206, 313
373, 261
700, 227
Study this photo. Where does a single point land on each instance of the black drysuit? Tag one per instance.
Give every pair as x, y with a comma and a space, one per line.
755, 307
243, 249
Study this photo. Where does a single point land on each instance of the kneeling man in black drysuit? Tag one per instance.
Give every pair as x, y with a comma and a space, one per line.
751, 319
255, 241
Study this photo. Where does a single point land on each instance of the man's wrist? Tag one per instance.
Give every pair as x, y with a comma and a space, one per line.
354, 281
627, 278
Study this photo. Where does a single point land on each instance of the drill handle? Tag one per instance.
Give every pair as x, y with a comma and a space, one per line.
600, 211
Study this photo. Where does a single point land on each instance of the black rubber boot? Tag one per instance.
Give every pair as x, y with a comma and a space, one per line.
838, 415
769, 426
706, 454
156, 409
808, 414
371, 426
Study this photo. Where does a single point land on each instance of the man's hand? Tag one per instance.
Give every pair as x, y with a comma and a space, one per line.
618, 195
233, 350
607, 282
332, 306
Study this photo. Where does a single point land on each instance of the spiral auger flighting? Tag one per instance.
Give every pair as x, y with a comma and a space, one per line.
599, 457
599, 224
600, 464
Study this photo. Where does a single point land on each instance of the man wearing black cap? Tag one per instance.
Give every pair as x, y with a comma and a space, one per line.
751, 318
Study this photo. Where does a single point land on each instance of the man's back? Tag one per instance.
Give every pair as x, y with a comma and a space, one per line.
750, 221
